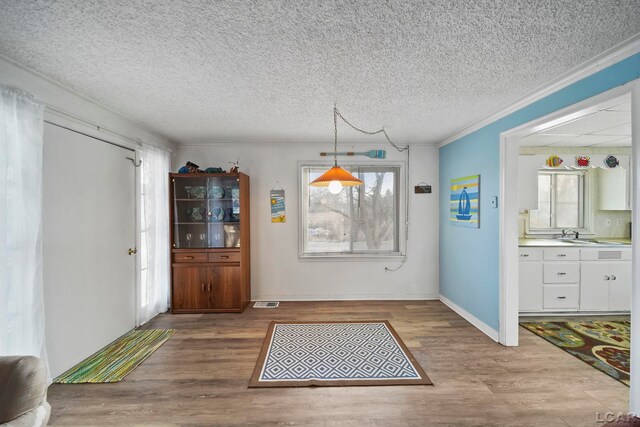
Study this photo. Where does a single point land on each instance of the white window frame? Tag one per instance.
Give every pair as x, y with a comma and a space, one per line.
401, 219
586, 211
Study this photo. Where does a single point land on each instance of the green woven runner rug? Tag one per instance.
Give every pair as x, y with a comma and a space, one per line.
603, 344
114, 362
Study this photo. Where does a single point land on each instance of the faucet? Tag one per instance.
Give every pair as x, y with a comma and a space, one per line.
568, 231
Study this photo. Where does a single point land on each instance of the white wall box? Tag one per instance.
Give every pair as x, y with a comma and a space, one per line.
613, 189
528, 182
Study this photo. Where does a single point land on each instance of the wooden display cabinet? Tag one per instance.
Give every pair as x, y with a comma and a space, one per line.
209, 242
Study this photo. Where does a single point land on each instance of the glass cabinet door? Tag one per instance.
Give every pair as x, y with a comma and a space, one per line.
206, 212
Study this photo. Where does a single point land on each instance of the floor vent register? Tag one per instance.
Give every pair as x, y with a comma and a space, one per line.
266, 304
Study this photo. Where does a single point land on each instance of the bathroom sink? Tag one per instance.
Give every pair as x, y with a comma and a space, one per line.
590, 242
609, 242
581, 241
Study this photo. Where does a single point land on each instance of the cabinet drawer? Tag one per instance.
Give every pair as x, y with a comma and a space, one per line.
530, 254
560, 297
606, 254
561, 254
561, 272
190, 257
230, 256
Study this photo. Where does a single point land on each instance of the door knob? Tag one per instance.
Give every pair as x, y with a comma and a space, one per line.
133, 251
613, 277
606, 278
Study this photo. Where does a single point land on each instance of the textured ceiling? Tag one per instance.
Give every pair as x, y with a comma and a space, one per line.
237, 70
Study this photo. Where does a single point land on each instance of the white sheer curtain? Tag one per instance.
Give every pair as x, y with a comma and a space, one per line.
154, 268
21, 291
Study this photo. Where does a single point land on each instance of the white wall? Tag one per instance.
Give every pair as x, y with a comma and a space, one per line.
276, 271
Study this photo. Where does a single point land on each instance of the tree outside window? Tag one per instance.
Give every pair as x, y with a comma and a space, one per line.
362, 219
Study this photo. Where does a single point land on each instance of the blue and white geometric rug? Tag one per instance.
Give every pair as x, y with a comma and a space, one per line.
335, 354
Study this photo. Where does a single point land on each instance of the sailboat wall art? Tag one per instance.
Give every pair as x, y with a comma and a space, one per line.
464, 204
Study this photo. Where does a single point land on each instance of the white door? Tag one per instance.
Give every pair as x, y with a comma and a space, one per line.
620, 286
88, 227
594, 286
530, 294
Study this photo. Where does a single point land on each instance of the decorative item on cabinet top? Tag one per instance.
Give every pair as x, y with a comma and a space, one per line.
583, 161
191, 167
611, 162
554, 161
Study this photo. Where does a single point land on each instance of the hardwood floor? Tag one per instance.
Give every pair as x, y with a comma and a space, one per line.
199, 377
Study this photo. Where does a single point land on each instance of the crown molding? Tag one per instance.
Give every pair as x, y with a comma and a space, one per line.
609, 57
341, 145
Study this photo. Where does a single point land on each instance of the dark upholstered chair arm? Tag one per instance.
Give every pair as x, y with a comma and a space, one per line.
23, 385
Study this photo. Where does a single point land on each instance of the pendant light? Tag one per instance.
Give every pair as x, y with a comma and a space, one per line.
336, 177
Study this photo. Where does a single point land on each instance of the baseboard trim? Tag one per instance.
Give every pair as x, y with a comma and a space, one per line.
293, 298
571, 313
483, 327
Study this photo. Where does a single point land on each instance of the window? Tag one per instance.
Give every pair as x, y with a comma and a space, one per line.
360, 220
561, 201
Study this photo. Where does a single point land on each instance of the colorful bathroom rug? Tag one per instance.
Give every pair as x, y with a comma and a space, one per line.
603, 344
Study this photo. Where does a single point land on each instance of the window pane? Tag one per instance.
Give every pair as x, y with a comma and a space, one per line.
560, 200
567, 201
374, 209
541, 218
328, 223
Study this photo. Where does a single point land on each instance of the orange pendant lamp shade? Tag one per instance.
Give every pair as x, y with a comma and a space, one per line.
336, 173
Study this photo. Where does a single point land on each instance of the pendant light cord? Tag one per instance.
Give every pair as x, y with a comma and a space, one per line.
337, 114
335, 135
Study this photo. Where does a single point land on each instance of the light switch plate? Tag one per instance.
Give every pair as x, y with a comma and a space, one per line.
494, 201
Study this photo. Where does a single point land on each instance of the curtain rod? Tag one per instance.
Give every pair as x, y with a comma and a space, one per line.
89, 136
81, 120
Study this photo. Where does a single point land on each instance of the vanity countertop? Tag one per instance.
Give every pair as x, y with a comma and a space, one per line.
586, 243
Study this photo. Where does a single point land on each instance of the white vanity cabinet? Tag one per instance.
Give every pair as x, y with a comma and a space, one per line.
549, 279
606, 279
565, 279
